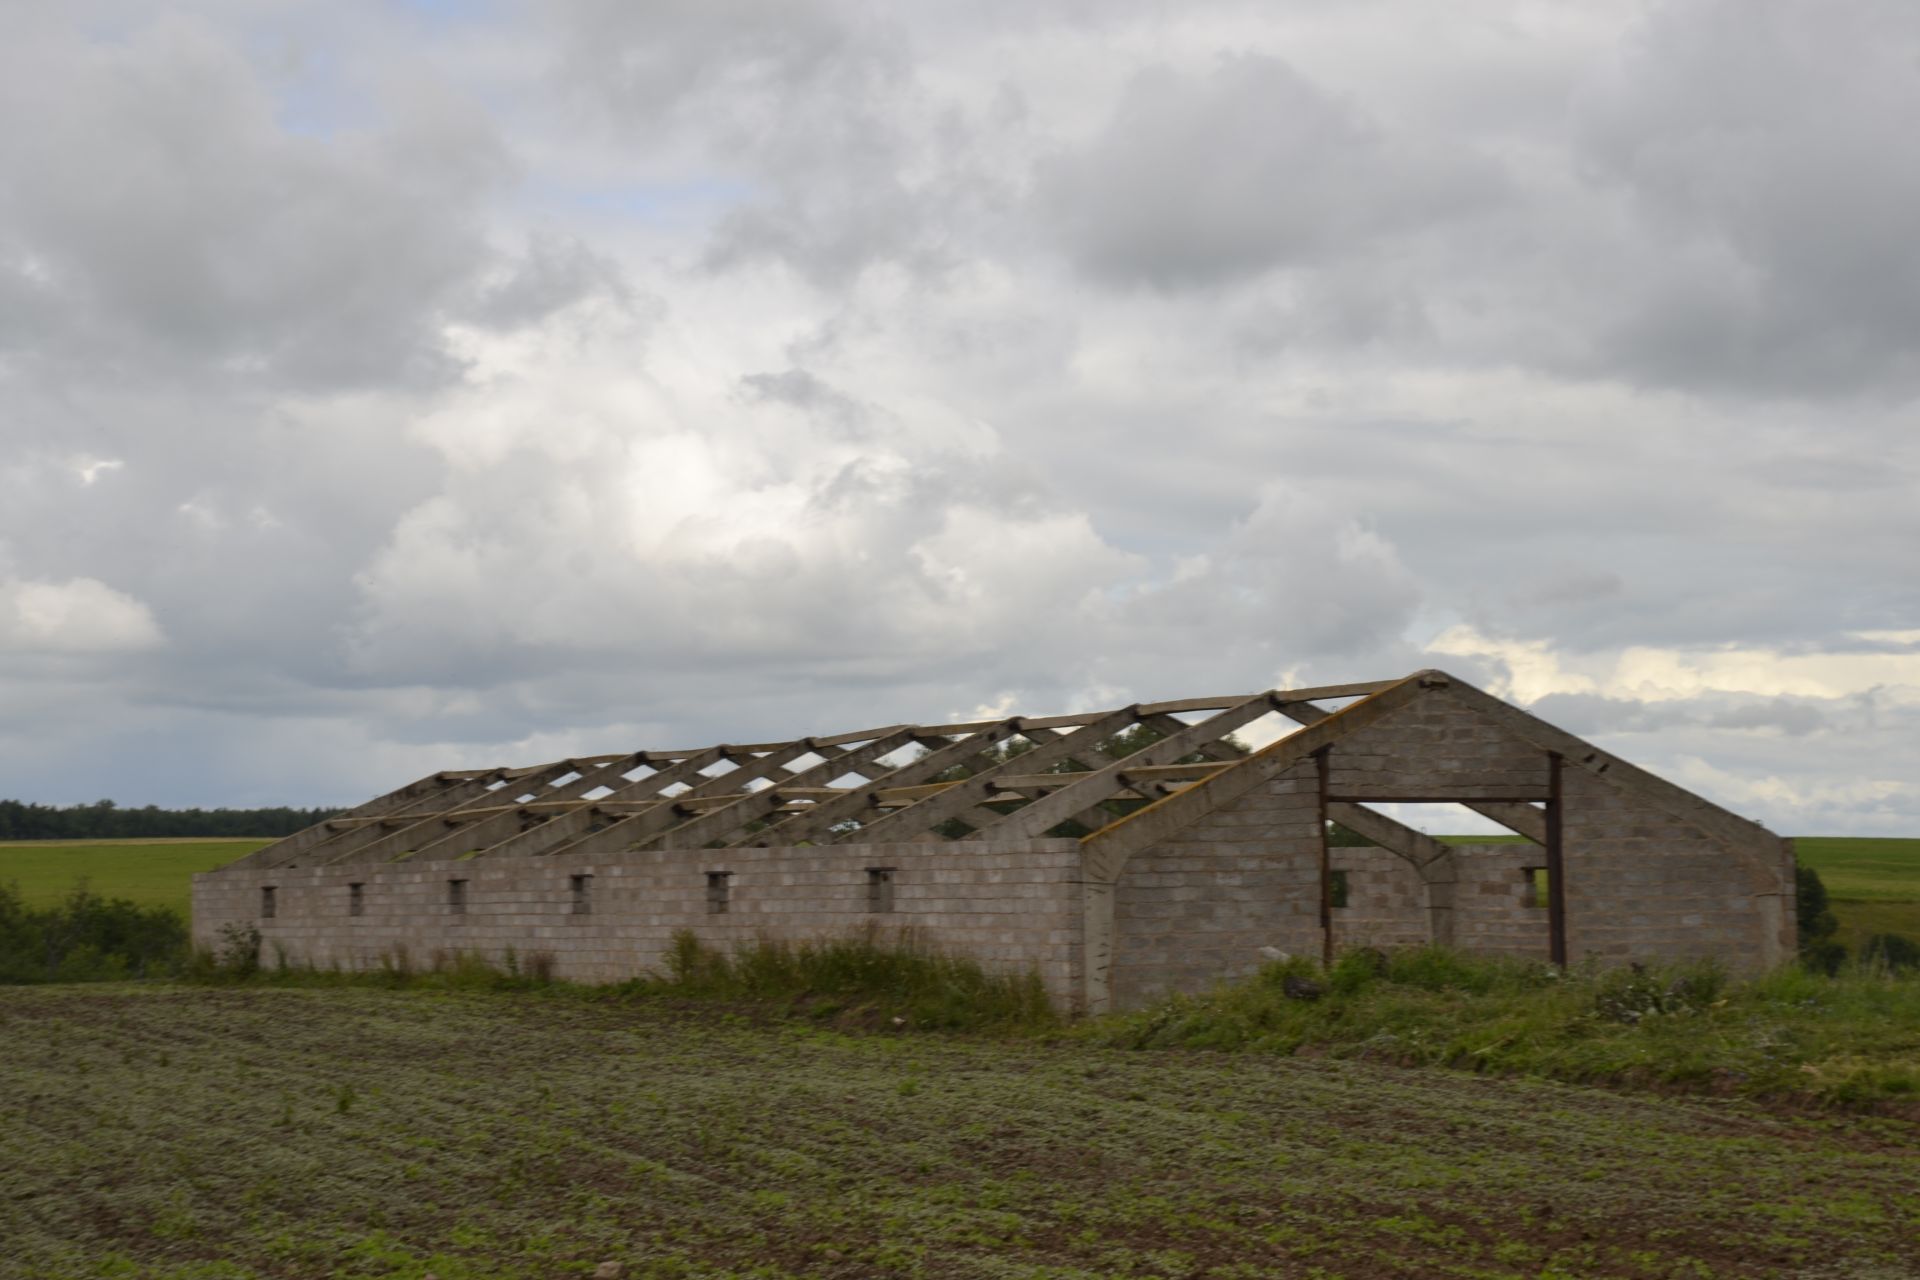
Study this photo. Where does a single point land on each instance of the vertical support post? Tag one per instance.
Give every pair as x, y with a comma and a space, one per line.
1324, 766
1096, 946
1556, 862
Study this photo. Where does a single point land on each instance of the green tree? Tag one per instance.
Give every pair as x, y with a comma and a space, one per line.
1817, 925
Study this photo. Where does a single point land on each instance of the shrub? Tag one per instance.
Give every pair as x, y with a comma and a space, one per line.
1894, 951
1816, 923
87, 938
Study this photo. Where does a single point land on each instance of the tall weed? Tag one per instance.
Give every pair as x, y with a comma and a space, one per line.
1848, 1038
890, 977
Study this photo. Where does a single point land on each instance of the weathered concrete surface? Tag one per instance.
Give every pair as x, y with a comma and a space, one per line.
1013, 906
1226, 863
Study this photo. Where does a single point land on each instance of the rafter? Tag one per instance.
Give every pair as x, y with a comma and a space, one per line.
741, 811
763, 800
915, 820
638, 827
1091, 789
861, 804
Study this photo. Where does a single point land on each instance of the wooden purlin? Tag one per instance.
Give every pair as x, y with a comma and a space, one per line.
525, 822
372, 847
914, 821
862, 803
460, 812
435, 787
519, 828
742, 811
1090, 790
1035, 733
1150, 783
1105, 852
639, 827
362, 835
595, 772
281, 851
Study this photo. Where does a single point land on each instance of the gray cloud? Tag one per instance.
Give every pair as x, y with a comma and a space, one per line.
610, 374
173, 227
1201, 178
1767, 146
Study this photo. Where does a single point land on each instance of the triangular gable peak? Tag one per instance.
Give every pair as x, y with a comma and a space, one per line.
1432, 738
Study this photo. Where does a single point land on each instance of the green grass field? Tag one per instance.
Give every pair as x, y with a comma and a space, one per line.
1873, 884
153, 873
173, 1133
1859, 869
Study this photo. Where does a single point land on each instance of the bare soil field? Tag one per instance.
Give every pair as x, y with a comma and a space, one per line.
192, 1132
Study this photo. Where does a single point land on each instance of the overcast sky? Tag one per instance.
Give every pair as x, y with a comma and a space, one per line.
393, 387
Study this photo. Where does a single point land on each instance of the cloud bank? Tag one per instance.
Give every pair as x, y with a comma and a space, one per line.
388, 390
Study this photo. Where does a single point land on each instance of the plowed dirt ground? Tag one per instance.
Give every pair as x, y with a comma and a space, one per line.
184, 1132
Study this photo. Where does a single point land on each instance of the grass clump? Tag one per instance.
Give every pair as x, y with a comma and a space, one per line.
1853, 1037
872, 977
238, 961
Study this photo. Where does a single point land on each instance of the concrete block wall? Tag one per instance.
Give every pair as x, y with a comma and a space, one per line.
1196, 908
1011, 905
1387, 904
1436, 746
1494, 913
1645, 885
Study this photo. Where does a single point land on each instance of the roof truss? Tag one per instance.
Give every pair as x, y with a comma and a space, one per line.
1014, 778
1119, 780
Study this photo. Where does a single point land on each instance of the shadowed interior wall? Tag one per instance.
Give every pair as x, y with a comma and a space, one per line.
1494, 911
1386, 901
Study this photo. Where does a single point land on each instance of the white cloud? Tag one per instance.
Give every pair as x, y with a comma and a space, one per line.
1533, 669
78, 616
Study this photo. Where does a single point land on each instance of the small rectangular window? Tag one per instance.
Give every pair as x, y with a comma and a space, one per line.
1533, 891
269, 907
582, 887
457, 897
356, 899
1337, 887
879, 888
717, 886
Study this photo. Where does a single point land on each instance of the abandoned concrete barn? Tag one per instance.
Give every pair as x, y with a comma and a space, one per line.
1120, 854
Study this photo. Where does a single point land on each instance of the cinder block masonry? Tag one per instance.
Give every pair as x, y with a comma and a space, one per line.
1120, 855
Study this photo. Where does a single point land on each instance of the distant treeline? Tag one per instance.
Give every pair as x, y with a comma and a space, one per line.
104, 820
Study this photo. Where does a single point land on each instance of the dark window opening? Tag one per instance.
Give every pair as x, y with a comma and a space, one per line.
1533, 891
356, 899
457, 897
718, 883
582, 894
879, 888
1337, 887
268, 906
